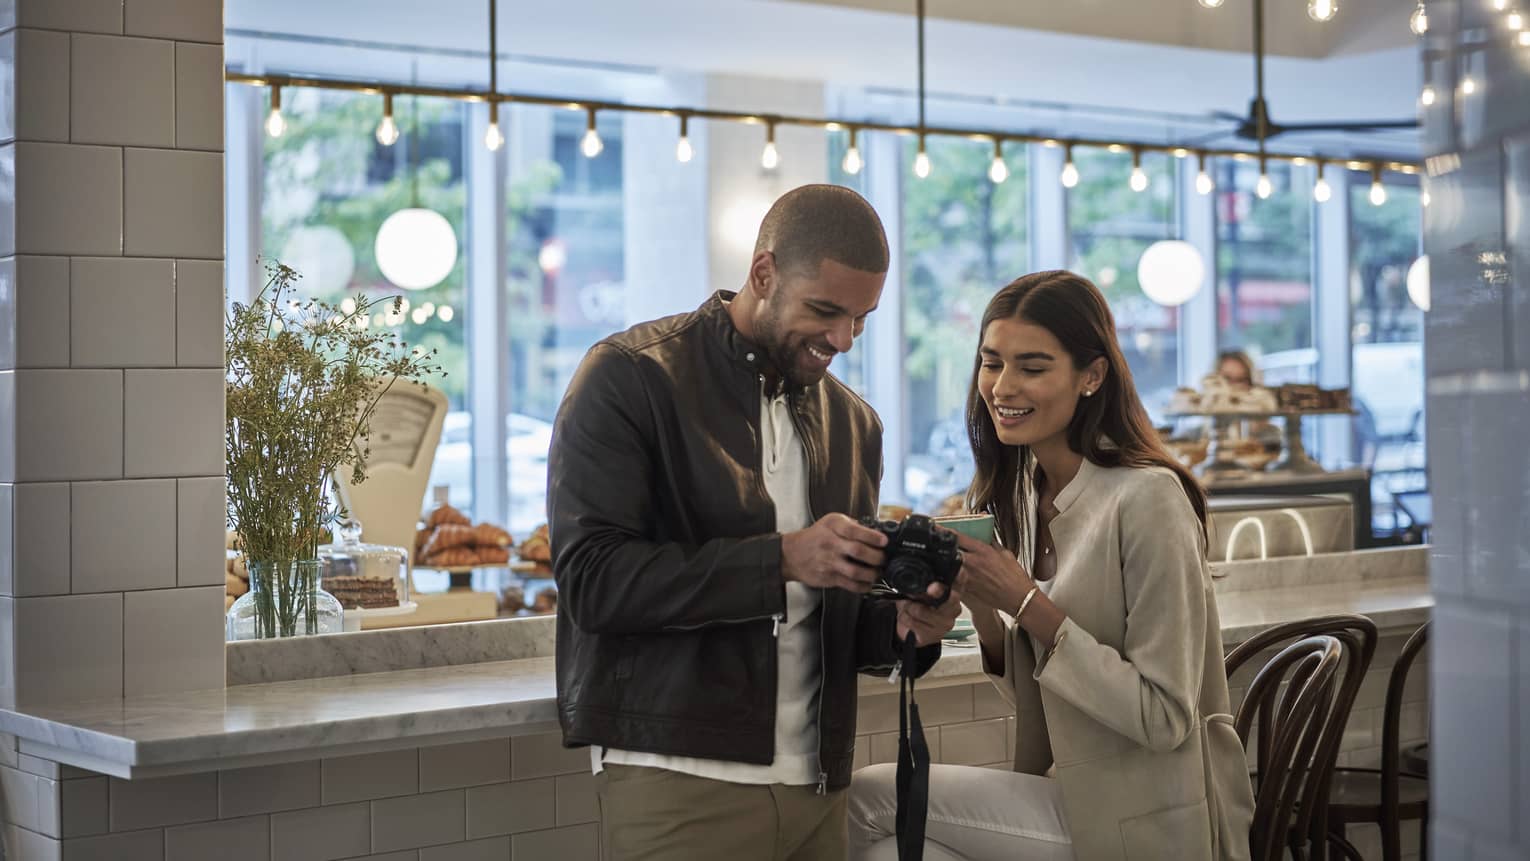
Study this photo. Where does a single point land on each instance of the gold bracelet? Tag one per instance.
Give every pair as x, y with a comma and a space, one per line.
1027, 602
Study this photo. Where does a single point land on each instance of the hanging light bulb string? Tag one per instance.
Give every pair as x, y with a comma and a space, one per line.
493, 138
590, 106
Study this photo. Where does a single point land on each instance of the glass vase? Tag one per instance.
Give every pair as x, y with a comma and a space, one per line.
284, 601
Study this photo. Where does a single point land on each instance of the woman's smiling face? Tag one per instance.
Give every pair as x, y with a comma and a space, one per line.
1029, 383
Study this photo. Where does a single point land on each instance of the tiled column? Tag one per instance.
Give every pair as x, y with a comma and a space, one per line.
1477, 338
111, 394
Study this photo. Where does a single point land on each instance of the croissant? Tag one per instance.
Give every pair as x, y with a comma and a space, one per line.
445, 513
234, 586
421, 536
536, 548
487, 534
492, 554
446, 536
453, 557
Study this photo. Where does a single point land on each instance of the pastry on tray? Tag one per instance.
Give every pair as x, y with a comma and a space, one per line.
445, 513
453, 557
536, 547
492, 555
489, 535
447, 536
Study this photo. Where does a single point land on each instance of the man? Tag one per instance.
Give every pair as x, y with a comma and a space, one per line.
706, 478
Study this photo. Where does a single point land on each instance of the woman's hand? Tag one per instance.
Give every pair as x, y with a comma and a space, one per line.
993, 578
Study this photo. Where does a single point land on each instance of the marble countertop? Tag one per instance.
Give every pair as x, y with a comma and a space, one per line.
302, 719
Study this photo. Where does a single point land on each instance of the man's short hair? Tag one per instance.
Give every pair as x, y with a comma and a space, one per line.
814, 222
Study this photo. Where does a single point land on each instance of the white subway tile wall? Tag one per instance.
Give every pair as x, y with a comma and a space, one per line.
34, 292
111, 258
122, 91
42, 86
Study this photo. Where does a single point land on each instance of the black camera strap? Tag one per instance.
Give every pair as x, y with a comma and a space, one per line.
913, 761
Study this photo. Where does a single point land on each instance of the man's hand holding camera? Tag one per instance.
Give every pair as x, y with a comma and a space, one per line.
834, 553
838, 553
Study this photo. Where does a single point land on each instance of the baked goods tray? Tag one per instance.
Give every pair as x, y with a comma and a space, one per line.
518, 565
1256, 414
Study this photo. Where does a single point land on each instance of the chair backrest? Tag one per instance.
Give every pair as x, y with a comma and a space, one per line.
1391, 741
1357, 635
1291, 729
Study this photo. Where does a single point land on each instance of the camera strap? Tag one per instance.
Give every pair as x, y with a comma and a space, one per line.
913, 762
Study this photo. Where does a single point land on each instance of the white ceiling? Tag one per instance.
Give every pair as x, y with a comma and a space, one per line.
1062, 52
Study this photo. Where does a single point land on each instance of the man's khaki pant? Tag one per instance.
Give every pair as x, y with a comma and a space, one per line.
650, 813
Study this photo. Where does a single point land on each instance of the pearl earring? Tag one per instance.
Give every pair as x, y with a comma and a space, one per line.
1088, 392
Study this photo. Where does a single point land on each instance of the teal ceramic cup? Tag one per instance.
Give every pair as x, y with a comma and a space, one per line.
978, 527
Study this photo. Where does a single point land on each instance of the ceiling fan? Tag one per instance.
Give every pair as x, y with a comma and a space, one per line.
1257, 124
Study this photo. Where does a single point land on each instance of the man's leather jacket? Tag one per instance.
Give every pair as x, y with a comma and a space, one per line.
666, 553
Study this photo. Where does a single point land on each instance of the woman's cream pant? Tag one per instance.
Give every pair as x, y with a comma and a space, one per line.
975, 814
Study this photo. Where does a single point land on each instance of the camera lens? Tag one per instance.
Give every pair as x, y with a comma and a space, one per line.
909, 575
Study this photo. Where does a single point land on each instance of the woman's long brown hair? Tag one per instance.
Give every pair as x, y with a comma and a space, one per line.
1076, 313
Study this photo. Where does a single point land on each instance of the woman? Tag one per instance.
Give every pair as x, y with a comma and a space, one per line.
1114, 660
1236, 367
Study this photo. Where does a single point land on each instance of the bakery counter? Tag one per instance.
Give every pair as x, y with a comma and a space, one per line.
320, 697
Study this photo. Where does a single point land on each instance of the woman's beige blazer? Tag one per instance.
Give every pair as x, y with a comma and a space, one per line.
1121, 705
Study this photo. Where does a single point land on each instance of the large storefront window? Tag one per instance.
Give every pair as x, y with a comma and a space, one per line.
1386, 329
328, 186
1264, 268
565, 280
1109, 226
964, 237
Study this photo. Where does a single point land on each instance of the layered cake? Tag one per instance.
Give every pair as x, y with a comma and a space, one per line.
367, 593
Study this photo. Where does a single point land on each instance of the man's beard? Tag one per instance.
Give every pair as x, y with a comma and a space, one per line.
786, 360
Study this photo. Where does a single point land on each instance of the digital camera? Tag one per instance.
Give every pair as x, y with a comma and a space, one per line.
917, 555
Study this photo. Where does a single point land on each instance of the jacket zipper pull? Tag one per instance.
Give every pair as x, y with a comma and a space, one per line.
897, 670
823, 782
775, 625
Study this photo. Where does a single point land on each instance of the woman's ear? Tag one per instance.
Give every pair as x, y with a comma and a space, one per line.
1095, 373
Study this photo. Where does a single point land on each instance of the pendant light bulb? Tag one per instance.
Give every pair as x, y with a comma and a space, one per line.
1139, 180
1378, 191
922, 161
275, 122
387, 129
1426, 97
1203, 183
1468, 85
770, 157
998, 171
591, 144
1321, 191
1264, 188
1418, 22
683, 150
1211, 4
1069, 174
1322, 10
1500, 5
1524, 38
1515, 20
492, 137
852, 163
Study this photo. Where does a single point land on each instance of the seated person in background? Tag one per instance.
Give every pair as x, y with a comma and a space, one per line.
1109, 648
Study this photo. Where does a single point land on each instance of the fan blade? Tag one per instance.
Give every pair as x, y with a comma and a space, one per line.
1207, 138
1357, 126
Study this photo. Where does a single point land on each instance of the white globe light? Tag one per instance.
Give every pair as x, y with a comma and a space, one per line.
1171, 272
1418, 282
323, 256
416, 248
